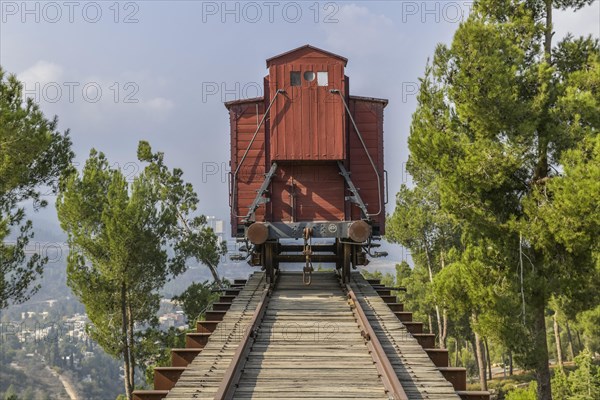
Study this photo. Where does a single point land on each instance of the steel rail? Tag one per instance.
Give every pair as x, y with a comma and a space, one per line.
233, 373
389, 378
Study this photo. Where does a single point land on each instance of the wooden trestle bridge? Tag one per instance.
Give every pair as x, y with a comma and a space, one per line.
325, 341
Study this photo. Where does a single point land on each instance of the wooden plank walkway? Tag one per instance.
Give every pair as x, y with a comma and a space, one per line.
417, 373
203, 376
309, 346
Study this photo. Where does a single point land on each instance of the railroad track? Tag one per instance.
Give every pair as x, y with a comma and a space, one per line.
323, 341
201, 378
309, 345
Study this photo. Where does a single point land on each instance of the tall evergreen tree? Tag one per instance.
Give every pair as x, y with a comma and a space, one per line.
420, 225
500, 113
126, 241
33, 154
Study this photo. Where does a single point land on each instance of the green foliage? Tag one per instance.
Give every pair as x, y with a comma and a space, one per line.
560, 385
190, 235
195, 300
585, 380
126, 241
11, 393
573, 217
504, 155
387, 279
371, 275
418, 297
589, 322
33, 153
528, 393
419, 224
156, 349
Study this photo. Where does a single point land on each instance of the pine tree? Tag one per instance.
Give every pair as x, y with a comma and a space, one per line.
503, 115
585, 380
126, 240
33, 154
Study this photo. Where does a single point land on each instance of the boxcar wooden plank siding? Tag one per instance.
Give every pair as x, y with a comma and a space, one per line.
244, 119
368, 115
307, 193
305, 123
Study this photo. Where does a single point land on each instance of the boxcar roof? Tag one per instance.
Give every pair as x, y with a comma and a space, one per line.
373, 99
228, 104
243, 101
307, 46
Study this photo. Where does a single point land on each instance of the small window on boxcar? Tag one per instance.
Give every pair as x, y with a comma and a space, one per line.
309, 76
295, 78
322, 78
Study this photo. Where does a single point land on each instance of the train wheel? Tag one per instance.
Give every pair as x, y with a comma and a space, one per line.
269, 262
346, 262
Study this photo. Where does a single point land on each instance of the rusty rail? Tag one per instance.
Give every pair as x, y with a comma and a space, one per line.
234, 371
389, 378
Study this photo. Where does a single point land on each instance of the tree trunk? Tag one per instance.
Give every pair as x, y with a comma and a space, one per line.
430, 323
215, 274
559, 359
437, 308
439, 324
510, 364
481, 362
548, 34
488, 358
541, 169
444, 331
542, 369
570, 339
579, 340
456, 354
480, 359
125, 339
443, 322
131, 346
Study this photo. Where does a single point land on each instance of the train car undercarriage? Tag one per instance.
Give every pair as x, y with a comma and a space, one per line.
266, 246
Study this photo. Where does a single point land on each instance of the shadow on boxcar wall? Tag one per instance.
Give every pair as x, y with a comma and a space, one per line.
282, 111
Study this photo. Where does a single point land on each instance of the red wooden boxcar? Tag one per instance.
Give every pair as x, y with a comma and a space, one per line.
307, 162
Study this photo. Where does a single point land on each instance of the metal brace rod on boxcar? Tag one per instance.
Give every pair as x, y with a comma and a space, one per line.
262, 121
364, 147
355, 195
258, 200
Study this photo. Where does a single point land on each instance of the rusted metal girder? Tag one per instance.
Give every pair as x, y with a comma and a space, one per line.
389, 378
316, 248
234, 371
301, 258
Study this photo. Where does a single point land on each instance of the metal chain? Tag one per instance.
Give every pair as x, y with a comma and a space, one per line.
308, 267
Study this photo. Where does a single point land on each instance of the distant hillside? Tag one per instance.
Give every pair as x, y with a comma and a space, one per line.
30, 380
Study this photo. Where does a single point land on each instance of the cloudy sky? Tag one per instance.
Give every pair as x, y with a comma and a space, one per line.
117, 72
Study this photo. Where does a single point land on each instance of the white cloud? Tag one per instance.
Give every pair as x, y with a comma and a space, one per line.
580, 23
41, 72
359, 31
